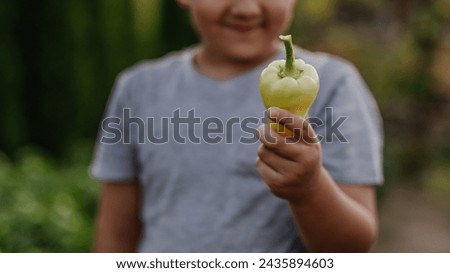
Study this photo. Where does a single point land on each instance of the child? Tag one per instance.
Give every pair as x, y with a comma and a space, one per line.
168, 190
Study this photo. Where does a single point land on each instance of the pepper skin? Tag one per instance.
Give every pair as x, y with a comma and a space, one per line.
289, 84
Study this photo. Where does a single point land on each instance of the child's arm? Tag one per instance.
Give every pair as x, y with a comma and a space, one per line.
330, 218
118, 226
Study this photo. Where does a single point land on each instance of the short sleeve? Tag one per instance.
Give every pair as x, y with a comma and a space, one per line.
114, 158
349, 126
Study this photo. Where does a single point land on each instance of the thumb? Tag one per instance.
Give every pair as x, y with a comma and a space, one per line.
301, 128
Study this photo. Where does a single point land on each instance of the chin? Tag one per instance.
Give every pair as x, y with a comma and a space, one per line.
248, 53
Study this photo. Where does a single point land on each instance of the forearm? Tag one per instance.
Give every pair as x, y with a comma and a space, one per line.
118, 227
330, 221
117, 239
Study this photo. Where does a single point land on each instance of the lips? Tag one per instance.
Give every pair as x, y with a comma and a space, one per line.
243, 27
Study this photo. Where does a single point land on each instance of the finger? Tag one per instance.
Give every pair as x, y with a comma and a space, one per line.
267, 173
274, 141
277, 143
268, 136
280, 164
301, 128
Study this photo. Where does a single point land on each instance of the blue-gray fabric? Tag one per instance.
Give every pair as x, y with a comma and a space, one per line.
208, 197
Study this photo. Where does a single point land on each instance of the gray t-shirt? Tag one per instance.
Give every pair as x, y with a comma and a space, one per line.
189, 140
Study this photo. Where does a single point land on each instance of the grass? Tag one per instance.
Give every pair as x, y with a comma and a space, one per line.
45, 205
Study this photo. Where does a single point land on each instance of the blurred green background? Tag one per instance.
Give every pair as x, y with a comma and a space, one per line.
59, 60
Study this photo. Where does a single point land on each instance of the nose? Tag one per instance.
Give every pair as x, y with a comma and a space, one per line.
246, 8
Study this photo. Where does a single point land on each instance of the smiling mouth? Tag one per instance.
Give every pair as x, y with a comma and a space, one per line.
244, 28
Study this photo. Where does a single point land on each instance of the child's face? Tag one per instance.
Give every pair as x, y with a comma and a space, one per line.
240, 30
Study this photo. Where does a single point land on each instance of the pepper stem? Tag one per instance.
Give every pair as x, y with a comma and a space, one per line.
290, 66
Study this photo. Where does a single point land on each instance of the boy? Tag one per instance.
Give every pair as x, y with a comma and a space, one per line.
207, 195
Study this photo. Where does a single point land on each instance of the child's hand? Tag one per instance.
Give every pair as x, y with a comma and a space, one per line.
289, 166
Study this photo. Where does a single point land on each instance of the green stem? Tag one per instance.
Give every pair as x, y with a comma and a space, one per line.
290, 66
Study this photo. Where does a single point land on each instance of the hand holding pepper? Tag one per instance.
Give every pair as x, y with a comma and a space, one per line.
289, 166
330, 217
